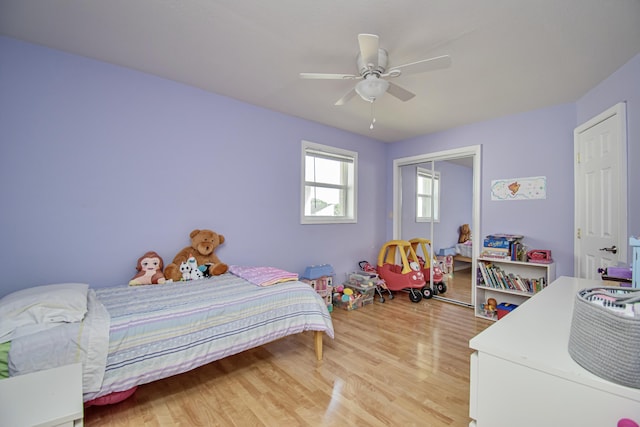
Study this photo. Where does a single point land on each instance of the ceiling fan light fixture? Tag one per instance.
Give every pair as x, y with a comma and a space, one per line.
371, 88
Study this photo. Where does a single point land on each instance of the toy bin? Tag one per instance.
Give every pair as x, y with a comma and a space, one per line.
351, 304
365, 292
505, 308
359, 296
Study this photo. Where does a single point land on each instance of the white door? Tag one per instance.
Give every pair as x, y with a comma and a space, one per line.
600, 146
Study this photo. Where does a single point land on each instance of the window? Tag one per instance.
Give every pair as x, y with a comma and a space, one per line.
427, 195
329, 190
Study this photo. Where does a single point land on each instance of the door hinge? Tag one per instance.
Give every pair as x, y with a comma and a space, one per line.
578, 158
579, 233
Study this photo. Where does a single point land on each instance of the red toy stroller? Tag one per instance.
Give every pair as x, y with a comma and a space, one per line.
407, 276
439, 287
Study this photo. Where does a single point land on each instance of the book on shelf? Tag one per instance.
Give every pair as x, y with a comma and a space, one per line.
495, 254
518, 252
519, 284
510, 237
483, 274
522, 284
497, 283
502, 279
492, 276
503, 246
496, 244
486, 276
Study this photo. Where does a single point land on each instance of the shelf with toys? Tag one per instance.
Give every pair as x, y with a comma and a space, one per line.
511, 282
507, 276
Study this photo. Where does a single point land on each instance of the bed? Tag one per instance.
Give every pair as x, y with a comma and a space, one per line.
132, 335
464, 251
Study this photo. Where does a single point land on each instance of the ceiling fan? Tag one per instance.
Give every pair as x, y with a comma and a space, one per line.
373, 75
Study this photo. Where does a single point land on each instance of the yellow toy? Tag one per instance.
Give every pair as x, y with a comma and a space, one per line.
407, 275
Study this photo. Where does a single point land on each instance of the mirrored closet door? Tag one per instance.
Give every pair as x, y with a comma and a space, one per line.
434, 195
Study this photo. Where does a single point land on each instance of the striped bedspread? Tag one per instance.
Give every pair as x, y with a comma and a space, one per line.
163, 330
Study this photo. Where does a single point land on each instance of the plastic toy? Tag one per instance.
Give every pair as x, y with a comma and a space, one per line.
369, 274
368, 283
448, 264
317, 271
407, 275
348, 299
439, 287
320, 278
366, 267
541, 256
491, 308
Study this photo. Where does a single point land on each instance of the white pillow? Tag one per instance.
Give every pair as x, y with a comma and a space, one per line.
64, 302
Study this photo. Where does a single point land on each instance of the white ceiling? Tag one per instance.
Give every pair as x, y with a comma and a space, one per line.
508, 56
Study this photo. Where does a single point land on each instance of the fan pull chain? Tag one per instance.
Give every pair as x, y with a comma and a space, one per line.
373, 118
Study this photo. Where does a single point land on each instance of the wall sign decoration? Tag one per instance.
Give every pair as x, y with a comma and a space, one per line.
530, 188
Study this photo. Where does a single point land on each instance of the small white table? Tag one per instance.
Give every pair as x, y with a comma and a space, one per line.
50, 398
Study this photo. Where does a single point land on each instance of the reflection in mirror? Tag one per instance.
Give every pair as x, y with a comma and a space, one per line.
437, 199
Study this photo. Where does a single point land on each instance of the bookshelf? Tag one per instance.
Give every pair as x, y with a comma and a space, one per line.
509, 281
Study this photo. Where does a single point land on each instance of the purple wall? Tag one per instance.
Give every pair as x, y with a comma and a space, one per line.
621, 86
536, 143
99, 164
540, 143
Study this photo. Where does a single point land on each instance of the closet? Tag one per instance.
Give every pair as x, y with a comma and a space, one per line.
433, 195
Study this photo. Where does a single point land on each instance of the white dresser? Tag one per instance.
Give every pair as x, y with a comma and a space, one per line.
522, 374
50, 398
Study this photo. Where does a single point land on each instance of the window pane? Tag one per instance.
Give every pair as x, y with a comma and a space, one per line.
323, 201
329, 185
324, 171
424, 185
424, 207
427, 195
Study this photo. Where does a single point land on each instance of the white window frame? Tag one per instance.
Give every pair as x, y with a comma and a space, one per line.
349, 186
422, 173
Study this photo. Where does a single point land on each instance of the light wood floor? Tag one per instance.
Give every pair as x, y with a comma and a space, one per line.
459, 286
393, 364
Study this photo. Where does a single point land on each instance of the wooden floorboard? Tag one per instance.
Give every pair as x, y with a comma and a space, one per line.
396, 363
459, 285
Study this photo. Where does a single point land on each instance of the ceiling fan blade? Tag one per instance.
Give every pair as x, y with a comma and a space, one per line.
430, 64
369, 44
346, 98
401, 93
327, 76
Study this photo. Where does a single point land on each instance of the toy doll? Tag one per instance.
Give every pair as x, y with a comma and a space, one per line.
149, 268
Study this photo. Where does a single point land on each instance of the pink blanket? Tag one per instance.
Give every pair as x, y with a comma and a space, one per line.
262, 276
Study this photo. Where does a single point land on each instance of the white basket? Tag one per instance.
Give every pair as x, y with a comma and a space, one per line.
603, 339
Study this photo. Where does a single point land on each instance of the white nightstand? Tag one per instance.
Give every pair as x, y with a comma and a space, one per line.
50, 398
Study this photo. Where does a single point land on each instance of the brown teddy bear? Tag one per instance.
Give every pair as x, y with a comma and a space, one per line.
465, 233
203, 244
